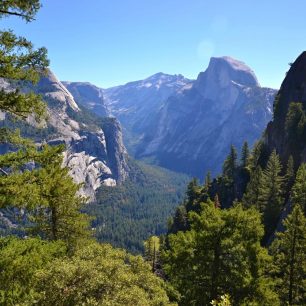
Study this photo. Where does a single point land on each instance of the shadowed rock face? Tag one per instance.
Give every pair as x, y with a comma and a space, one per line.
293, 89
95, 155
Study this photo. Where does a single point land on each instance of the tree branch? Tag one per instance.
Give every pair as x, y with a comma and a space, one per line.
27, 17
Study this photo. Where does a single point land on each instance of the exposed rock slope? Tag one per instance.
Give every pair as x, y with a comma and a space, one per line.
196, 127
95, 152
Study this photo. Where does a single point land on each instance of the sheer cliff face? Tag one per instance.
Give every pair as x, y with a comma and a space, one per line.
196, 127
293, 90
96, 154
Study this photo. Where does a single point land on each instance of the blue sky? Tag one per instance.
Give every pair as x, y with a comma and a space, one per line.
111, 42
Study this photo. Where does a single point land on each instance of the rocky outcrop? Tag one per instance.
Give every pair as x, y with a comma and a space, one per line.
277, 136
95, 152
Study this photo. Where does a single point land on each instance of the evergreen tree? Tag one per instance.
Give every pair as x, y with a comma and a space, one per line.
255, 156
180, 220
152, 253
245, 155
230, 163
298, 193
47, 194
289, 252
251, 196
192, 193
59, 218
271, 198
207, 180
20, 62
21, 8
221, 253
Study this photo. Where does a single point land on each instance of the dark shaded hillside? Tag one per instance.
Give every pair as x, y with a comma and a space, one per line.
287, 132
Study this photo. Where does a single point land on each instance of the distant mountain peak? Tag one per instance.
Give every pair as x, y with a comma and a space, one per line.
223, 70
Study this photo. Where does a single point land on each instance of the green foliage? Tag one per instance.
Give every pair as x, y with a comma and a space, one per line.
252, 193
152, 252
298, 193
192, 195
296, 124
245, 155
57, 213
130, 213
24, 9
230, 163
271, 197
36, 272
47, 193
224, 301
256, 155
289, 252
19, 261
20, 62
221, 253
100, 275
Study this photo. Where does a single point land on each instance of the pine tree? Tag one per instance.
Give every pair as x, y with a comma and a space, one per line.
21, 8
255, 156
152, 252
271, 198
230, 163
220, 253
192, 193
252, 194
20, 62
59, 216
180, 220
289, 252
245, 155
298, 193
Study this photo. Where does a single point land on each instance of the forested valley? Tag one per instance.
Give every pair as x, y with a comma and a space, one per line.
235, 239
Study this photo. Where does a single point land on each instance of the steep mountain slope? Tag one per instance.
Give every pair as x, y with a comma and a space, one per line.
135, 104
196, 127
287, 131
95, 152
